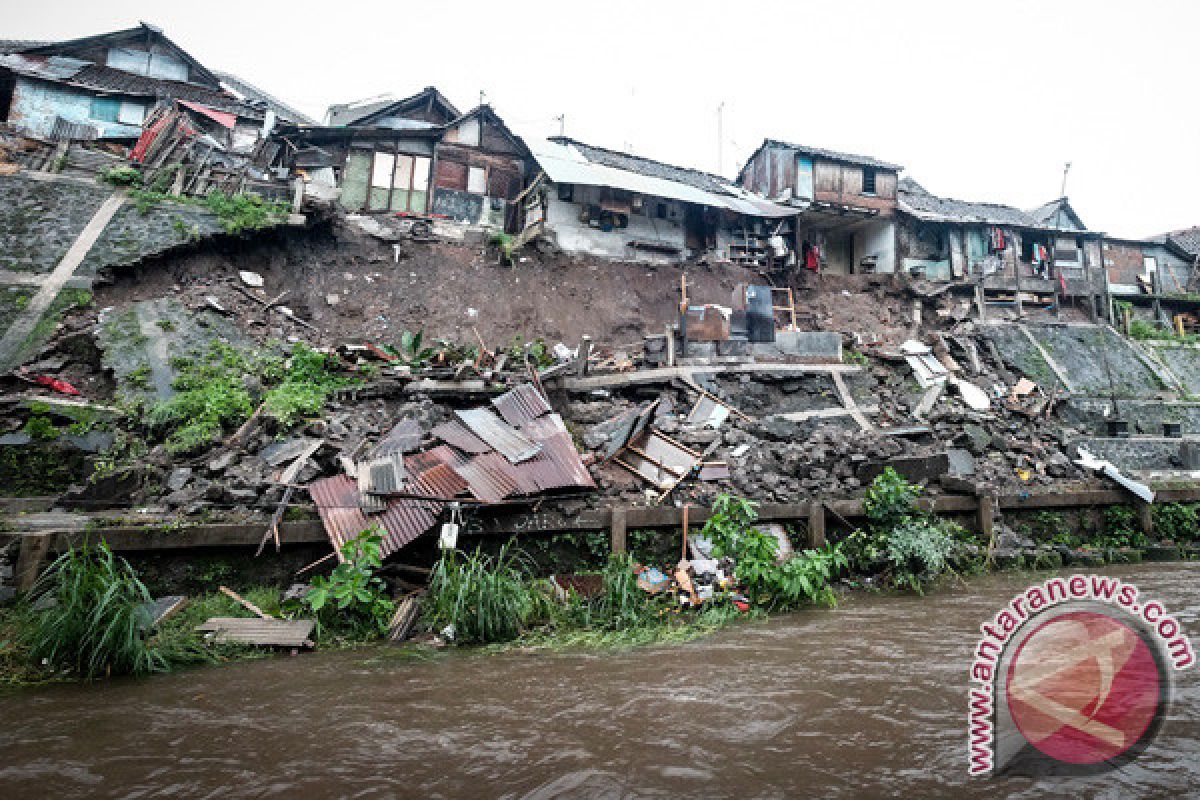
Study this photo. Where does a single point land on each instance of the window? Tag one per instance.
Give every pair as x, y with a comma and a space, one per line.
399, 182
105, 109
868, 180
1150, 264
477, 180
566, 192
131, 114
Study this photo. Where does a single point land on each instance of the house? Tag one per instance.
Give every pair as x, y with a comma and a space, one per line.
106, 86
1156, 265
845, 204
1014, 256
417, 155
594, 201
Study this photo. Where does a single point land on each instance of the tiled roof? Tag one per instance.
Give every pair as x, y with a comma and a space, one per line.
832, 155
920, 203
1187, 239
17, 45
647, 166
107, 79
256, 95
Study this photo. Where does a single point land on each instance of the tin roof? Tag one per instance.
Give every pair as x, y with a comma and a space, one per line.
566, 161
521, 404
498, 434
403, 520
455, 434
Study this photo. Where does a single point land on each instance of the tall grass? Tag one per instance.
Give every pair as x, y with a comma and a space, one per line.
97, 623
485, 599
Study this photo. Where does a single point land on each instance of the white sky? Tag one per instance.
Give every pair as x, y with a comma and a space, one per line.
978, 100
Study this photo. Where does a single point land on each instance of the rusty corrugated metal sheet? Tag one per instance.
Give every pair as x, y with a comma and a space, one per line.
521, 404
457, 435
502, 437
338, 503
442, 455
442, 481
489, 477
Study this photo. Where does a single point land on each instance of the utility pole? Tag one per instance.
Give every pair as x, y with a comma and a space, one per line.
720, 136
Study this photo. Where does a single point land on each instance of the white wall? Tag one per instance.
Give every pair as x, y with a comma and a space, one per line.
576, 236
876, 238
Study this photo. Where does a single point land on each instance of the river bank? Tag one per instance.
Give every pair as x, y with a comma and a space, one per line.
868, 699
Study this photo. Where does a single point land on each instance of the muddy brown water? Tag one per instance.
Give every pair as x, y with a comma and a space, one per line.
867, 700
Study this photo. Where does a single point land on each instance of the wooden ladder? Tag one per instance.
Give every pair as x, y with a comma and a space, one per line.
788, 304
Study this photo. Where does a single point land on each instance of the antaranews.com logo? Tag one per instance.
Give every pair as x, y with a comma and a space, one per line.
1072, 677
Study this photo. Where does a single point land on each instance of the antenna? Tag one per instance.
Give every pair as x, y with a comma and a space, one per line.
720, 135
562, 124
1066, 169
482, 95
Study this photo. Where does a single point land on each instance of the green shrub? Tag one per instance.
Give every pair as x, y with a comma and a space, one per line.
121, 175
1176, 522
97, 625
41, 428
802, 579
353, 597
243, 212
483, 599
910, 546
307, 383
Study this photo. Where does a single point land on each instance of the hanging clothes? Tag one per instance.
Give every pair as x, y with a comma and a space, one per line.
812, 257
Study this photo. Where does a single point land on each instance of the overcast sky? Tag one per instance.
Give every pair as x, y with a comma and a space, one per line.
979, 101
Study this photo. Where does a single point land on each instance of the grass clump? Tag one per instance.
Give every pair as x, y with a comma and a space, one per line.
480, 598
41, 428
211, 398
97, 624
212, 395
308, 381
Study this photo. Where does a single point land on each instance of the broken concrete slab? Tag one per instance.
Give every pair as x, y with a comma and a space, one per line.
917, 469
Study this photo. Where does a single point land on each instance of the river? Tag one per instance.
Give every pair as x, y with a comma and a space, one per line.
866, 700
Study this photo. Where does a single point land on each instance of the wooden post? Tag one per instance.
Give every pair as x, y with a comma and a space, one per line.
29, 560
581, 358
617, 522
816, 524
670, 345
1146, 518
986, 518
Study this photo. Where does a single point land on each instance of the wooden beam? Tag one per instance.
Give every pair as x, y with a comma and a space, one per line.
816, 524
617, 525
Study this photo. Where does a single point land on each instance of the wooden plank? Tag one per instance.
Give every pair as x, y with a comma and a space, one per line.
816, 524
29, 559
244, 603
266, 632
618, 531
666, 374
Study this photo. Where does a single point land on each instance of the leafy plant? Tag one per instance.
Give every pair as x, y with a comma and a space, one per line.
1176, 521
97, 624
243, 212
307, 384
803, 578
121, 175
411, 351
504, 244
41, 428
483, 599
353, 592
909, 545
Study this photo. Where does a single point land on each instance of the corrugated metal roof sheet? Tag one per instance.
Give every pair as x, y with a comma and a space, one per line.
498, 434
489, 477
454, 434
338, 503
442, 455
521, 404
405, 437
564, 163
